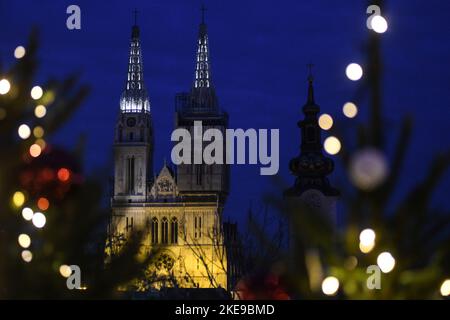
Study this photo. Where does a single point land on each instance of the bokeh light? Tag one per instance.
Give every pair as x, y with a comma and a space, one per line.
367, 236
332, 145
350, 110
379, 24
39, 220
24, 131
27, 213
35, 150
27, 256
41, 143
36, 92
354, 71
366, 248
19, 52
38, 132
43, 203
330, 286
386, 262
65, 270
4, 86
24, 240
63, 174
368, 168
325, 121
445, 288
40, 111
18, 198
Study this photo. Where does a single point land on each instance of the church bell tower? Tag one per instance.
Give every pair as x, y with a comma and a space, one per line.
133, 143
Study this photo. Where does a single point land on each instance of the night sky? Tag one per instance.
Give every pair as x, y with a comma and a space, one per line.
259, 52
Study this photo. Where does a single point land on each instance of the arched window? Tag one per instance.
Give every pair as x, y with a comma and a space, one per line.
154, 230
164, 231
174, 230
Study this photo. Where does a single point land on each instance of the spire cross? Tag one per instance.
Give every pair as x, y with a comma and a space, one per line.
135, 13
203, 10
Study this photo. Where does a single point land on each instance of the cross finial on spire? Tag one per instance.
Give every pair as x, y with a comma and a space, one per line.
135, 13
203, 10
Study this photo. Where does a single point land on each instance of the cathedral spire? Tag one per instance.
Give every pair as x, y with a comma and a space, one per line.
203, 93
135, 97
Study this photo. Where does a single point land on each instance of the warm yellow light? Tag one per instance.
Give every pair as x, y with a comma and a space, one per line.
445, 288
39, 220
38, 132
350, 110
36, 92
35, 150
325, 121
379, 24
24, 240
27, 256
354, 71
41, 143
24, 131
18, 199
19, 52
65, 270
367, 236
4, 86
27, 213
40, 111
332, 145
386, 262
366, 248
330, 286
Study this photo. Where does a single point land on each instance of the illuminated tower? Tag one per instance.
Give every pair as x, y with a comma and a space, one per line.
133, 143
201, 104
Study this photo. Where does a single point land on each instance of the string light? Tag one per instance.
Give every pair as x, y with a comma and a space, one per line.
379, 24
40, 111
27, 256
27, 213
350, 110
24, 240
38, 132
43, 203
4, 86
386, 262
39, 220
35, 150
19, 52
41, 143
354, 71
332, 145
325, 121
36, 92
330, 286
63, 174
18, 199
24, 131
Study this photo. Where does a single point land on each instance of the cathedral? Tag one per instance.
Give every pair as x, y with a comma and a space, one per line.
180, 208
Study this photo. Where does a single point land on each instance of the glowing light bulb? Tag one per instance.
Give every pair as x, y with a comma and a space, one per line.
38, 132
36, 92
35, 150
27, 213
386, 262
43, 203
367, 236
39, 220
350, 110
24, 240
19, 52
354, 71
366, 248
65, 270
63, 174
332, 145
18, 199
27, 256
368, 168
379, 24
445, 288
325, 121
40, 111
4, 86
24, 131
330, 286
